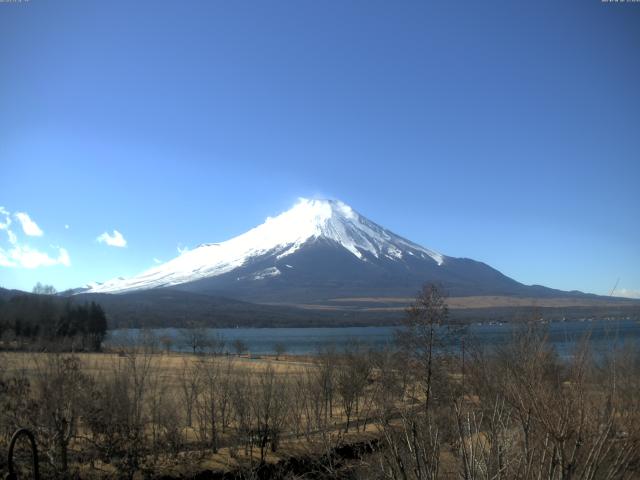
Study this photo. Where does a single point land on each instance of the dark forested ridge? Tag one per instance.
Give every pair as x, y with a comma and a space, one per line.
166, 307
175, 308
43, 318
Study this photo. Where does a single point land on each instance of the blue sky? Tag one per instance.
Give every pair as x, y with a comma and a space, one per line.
507, 132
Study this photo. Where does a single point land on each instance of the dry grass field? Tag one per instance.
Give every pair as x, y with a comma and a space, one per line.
270, 390
494, 301
171, 364
511, 413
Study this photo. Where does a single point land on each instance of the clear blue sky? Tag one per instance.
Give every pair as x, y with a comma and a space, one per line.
507, 132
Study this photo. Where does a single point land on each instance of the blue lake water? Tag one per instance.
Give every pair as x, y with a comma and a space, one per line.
604, 335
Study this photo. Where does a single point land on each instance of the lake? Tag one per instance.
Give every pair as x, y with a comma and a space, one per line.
604, 335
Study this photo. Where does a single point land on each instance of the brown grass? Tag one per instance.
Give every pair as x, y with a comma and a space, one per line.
492, 301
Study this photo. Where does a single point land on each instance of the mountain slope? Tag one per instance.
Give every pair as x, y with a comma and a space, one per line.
308, 222
167, 307
317, 251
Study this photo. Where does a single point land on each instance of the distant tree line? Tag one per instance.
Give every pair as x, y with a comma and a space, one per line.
41, 317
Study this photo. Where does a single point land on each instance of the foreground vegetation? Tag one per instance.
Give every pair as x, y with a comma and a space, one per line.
516, 412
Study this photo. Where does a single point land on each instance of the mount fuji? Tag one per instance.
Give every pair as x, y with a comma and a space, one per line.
321, 263
317, 251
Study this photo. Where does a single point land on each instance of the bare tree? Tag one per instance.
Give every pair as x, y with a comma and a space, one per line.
326, 361
241, 394
57, 390
269, 408
117, 414
17, 405
164, 427
213, 399
41, 289
167, 342
190, 384
542, 417
239, 346
196, 339
279, 348
419, 335
351, 380
412, 436
216, 344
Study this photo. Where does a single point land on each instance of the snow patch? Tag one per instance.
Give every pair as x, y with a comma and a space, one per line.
266, 273
394, 252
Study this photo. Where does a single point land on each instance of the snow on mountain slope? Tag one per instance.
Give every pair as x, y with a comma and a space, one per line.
281, 236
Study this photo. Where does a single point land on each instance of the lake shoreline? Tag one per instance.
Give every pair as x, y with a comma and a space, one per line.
563, 335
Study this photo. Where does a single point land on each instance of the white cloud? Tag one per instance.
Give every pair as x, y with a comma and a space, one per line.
182, 249
626, 292
7, 219
27, 257
114, 240
17, 254
63, 257
29, 227
156, 261
4, 225
4, 259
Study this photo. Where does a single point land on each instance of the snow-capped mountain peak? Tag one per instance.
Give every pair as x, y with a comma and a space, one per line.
280, 236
